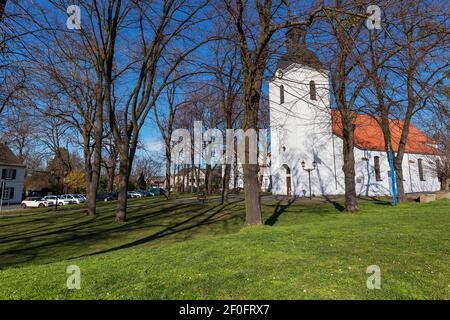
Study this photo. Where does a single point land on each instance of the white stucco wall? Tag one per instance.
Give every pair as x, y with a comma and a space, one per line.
303, 126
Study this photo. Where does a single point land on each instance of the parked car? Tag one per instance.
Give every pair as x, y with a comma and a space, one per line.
157, 191
134, 194
145, 193
51, 200
113, 196
82, 196
62, 200
34, 202
107, 196
73, 198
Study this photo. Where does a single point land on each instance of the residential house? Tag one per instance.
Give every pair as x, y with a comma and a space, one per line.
12, 176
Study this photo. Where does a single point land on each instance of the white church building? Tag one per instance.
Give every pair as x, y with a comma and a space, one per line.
304, 128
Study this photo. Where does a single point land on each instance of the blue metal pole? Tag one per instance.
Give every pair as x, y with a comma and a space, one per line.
393, 175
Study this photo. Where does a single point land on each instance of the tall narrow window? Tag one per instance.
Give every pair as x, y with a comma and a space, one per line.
376, 162
420, 164
312, 90
281, 94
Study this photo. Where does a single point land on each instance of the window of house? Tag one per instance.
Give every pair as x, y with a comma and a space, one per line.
312, 90
9, 174
420, 164
376, 162
8, 193
281, 94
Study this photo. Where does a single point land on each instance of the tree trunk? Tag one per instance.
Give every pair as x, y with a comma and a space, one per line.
111, 176
226, 183
91, 196
208, 179
251, 171
123, 189
98, 139
401, 197
168, 163
89, 173
351, 203
167, 180
445, 183
252, 196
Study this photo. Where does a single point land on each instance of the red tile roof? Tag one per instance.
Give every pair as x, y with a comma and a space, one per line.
369, 136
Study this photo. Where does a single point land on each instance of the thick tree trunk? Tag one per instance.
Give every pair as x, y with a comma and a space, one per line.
96, 163
351, 203
208, 179
111, 176
398, 158
123, 189
401, 196
88, 169
167, 180
251, 170
252, 196
226, 183
168, 164
445, 183
91, 195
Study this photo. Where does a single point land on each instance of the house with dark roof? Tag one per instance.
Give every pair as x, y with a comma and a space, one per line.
12, 176
307, 134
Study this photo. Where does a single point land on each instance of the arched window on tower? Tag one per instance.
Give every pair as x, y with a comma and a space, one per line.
312, 90
281, 94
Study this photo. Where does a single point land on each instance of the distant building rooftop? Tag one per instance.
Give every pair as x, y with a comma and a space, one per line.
7, 157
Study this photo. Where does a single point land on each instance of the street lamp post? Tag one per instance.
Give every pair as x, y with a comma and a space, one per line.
309, 175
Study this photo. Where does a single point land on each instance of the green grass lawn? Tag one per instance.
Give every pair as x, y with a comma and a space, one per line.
182, 249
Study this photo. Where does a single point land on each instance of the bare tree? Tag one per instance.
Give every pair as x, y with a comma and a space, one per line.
110, 159
347, 83
72, 74
227, 83
423, 36
165, 120
159, 26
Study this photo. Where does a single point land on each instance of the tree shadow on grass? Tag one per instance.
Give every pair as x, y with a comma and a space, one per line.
335, 203
64, 239
209, 216
279, 209
379, 201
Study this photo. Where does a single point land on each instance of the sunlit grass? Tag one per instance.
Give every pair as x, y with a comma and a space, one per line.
182, 249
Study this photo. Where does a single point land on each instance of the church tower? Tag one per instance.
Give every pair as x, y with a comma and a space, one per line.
300, 122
